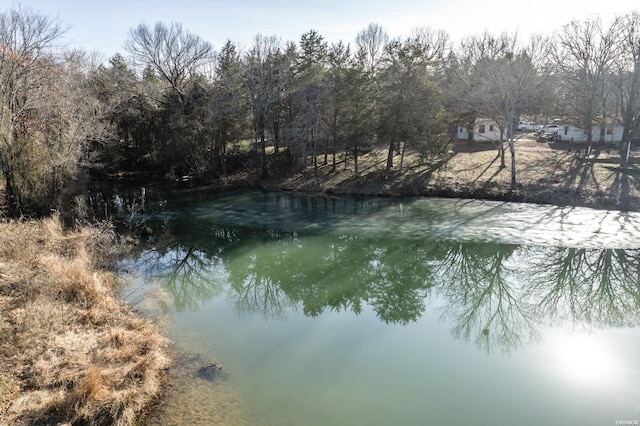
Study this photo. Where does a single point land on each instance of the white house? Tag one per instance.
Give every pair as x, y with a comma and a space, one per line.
484, 130
570, 133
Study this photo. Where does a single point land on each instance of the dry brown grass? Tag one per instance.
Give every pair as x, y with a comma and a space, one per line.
70, 352
556, 173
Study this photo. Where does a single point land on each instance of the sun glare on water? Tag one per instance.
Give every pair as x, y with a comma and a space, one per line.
584, 357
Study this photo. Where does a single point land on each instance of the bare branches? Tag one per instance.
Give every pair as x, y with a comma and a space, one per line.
370, 43
626, 74
488, 46
585, 52
263, 84
25, 36
433, 45
176, 55
26, 41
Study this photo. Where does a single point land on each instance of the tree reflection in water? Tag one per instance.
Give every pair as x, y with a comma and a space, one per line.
592, 288
188, 263
483, 297
496, 296
255, 279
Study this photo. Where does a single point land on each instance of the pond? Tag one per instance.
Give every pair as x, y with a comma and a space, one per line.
326, 310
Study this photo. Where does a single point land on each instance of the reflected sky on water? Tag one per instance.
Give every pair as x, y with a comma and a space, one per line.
329, 310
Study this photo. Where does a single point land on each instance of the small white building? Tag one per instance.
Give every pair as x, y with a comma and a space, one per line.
484, 130
570, 133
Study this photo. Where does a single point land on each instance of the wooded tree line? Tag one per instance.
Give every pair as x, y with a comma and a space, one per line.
172, 106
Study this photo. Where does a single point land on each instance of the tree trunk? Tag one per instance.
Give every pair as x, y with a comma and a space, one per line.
355, 159
512, 149
263, 147
404, 147
326, 152
603, 121
392, 143
513, 165
223, 158
333, 154
501, 150
333, 139
588, 128
276, 136
346, 155
627, 126
470, 128
315, 161
12, 201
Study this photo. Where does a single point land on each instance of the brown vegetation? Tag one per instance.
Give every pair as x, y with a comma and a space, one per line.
70, 352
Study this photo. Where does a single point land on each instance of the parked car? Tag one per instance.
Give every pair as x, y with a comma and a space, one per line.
550, 129
527, 126
549, 133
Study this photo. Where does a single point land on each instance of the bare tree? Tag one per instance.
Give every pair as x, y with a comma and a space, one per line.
27, 41
370, 43
175, 54
433, 45
460, 80
507, 85
627, 75
584, 52
487, 45
263, 85
68, 121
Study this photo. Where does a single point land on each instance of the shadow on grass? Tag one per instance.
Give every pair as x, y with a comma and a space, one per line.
599, 180
550, 173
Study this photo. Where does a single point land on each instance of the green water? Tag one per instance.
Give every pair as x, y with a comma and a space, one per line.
335, 311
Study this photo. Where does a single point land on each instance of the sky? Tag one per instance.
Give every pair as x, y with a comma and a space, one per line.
103, 25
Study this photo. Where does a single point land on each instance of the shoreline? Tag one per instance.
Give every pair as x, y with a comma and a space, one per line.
559, 174
553, 173
71, 351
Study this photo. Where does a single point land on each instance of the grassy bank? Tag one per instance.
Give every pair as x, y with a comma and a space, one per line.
556, 173
70, 352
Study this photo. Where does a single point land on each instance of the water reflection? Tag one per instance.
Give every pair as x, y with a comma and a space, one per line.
496, 296
598, 288
484, 296
189, 267
257, 280
385, 309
